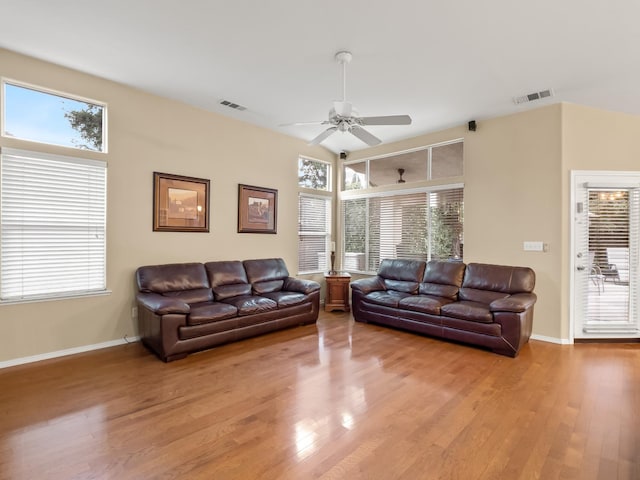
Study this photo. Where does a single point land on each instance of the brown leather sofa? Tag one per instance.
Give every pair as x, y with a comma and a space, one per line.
186, 307
485, 305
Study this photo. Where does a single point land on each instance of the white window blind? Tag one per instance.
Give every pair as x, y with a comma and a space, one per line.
424, 225
612, 243
314, 232
53, 221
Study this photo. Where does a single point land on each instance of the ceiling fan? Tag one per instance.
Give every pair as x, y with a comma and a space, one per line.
344, 118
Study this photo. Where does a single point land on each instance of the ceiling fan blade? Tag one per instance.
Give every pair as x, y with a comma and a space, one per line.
386, 120
321, 122
365, 136
323, 136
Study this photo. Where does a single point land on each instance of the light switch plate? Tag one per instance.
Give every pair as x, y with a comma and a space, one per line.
533, 246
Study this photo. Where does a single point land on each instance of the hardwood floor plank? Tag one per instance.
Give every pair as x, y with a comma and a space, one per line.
329, 401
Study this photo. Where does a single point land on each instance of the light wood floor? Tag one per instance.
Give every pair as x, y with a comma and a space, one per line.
336, 400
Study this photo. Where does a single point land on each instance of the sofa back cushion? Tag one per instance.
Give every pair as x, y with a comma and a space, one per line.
485, 283
174, 277
228, 279
266, 275
442, 279
197, 295
401, 275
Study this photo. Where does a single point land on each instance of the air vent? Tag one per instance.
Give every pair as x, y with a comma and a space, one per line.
533, 96
235, 106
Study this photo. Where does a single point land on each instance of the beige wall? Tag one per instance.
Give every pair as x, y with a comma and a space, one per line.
146, 134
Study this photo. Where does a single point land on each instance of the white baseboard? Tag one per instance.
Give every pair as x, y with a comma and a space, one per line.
559, 341
68, 351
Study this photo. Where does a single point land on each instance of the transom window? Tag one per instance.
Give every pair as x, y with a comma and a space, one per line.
428, 163
314, 174
38, 115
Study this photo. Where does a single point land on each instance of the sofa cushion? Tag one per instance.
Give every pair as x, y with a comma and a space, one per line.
480, 296
401, 286
499, 278
265, 287
235, 290
401, 274
424, 303
465, 310
227, 279
249, 304
401, 269
436, 290
264, 270
210, 312
171, 277
444, 272
287, 299
191, 296
442, 279
388, 298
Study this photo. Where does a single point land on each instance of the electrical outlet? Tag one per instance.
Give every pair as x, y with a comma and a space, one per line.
134, 313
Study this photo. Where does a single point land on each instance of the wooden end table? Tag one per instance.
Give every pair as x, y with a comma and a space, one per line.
337, 296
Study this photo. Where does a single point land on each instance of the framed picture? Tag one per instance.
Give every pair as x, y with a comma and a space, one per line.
180, 204
257, 209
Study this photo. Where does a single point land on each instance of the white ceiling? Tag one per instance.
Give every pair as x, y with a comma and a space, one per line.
444, 62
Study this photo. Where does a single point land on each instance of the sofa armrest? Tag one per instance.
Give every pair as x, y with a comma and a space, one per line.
300, 285
516, 303
162, 305
368, 285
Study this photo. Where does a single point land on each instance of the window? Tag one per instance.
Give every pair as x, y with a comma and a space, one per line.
422, 225
314, 233
36, 115
314, 174
444, 160
53, 226
355, 176
314, 215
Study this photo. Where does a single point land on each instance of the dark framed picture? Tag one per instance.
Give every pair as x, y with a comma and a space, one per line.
257, 209
180, 204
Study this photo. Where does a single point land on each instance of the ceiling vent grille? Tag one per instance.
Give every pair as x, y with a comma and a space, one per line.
235, 106
533, 96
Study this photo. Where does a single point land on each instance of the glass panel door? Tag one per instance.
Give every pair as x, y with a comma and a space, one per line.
605, 252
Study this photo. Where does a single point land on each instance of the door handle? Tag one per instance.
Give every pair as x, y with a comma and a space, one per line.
581, 267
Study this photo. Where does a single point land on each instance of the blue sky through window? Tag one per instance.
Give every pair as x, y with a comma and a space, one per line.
39, 116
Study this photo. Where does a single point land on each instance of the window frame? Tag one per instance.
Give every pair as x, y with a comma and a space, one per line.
49, 91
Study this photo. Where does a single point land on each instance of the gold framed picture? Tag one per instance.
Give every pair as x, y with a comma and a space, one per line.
180, 204
257, 209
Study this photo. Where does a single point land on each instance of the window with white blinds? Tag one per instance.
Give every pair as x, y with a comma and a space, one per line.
314, 233
423, 225
53, 222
